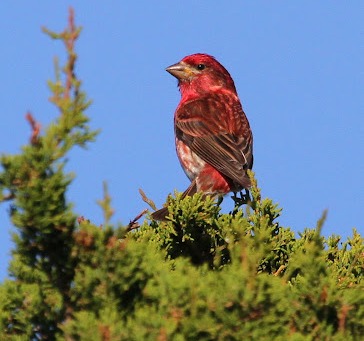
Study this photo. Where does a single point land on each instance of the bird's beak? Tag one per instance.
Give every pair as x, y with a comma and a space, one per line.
181, 71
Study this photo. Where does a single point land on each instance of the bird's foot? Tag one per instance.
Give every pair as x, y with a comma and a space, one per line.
240, 199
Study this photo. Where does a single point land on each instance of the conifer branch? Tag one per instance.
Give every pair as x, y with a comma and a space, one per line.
35, 126
105, 205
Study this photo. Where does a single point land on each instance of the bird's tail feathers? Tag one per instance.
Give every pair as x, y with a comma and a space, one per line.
246, 183
162, 213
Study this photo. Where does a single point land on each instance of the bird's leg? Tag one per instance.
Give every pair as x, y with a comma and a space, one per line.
235, 198
246, 197
220, 199
237, 203
243, 199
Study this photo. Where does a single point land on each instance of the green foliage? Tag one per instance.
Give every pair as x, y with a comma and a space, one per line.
200, 275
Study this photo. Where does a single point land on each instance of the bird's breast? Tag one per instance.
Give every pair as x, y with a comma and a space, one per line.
190, 162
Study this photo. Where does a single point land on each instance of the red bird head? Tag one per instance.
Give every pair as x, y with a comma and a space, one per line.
200, 73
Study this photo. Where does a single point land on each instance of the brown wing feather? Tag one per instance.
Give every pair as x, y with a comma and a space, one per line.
207, 126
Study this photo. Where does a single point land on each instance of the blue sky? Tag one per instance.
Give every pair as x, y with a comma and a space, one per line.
298, 68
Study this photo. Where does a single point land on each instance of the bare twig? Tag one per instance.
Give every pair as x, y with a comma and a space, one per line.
34, 137
9, 196
280, 269
134, 223
70, 36
147, 200
343, 313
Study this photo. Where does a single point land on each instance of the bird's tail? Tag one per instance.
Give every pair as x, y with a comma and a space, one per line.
162, 213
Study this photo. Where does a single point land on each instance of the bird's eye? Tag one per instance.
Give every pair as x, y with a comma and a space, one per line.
200, 66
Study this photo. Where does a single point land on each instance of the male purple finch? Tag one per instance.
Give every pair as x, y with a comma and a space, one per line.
214, 142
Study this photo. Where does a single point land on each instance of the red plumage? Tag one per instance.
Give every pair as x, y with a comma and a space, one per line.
214, 142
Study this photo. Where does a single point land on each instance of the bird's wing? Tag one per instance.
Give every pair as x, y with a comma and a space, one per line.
205, 126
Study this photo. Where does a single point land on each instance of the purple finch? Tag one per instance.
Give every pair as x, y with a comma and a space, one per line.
214, 141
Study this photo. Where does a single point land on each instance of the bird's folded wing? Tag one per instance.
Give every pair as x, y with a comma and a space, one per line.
229, 154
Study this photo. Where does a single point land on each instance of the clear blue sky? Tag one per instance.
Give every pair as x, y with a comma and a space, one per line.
298, 68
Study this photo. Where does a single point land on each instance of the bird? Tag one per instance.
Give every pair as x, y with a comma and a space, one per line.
213, 138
